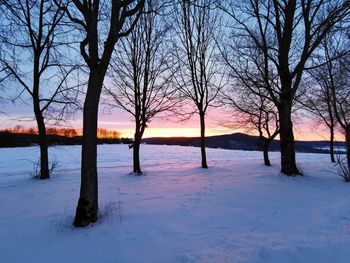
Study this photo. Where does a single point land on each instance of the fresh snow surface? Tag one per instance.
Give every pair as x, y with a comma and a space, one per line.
238, 210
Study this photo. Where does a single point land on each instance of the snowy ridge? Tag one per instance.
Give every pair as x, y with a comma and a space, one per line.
241, 141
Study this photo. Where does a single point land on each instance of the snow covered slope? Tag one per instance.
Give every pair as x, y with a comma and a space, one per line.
236, 211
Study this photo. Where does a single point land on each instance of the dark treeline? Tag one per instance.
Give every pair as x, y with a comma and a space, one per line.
262, 62
22, 137
66, 132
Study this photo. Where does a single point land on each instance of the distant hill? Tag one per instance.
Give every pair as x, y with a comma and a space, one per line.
240, 141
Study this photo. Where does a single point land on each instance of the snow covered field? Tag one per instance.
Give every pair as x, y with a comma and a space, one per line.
236, 211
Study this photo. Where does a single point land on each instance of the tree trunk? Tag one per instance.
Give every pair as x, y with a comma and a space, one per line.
136, 155
265, 147
331, 144
87, 209
139, 130
204, 156
44, 155
288, 164
347, 139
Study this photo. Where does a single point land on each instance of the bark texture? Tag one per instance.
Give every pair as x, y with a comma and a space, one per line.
288, 163
87, 209
265, 148
136, 158
203, 152
136, 152
347, 136
44, 155
331, 144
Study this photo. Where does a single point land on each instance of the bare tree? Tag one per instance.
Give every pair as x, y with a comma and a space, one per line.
248, 94
287, 33
32, 55
197, 75
334, 77
341, 104
317, 100
140, 72
252, 111
102, 24
3, 36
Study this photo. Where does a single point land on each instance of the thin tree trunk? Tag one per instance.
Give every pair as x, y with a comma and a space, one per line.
87, 210
139, 130
331, 144
44, 155
136, 155
204, 156
288, 164
347, 139
265, 147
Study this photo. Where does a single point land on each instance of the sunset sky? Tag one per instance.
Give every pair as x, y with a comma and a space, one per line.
116, 119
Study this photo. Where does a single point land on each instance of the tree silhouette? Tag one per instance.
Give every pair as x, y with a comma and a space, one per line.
101, 25
140, 73
287, 34
197, 76
33, 56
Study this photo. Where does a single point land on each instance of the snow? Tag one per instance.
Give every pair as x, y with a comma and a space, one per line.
338, 149
236, 211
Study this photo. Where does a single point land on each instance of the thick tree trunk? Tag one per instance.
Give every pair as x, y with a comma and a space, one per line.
288, 164
87, 210
136, 156
331, 144
265, 148
204, 156
44, 155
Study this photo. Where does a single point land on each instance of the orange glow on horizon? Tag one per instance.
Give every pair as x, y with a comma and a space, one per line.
307, 133
316, 137
163, 132
174, 132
